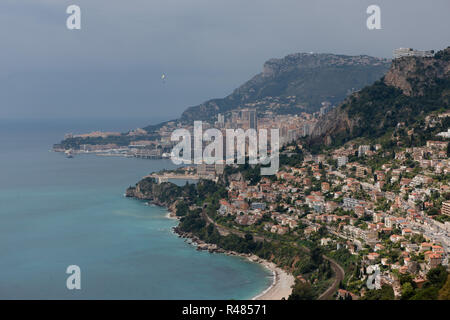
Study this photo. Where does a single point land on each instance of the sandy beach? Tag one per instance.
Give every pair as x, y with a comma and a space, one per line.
282, 282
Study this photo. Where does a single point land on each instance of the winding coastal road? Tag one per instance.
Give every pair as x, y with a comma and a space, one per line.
337, 269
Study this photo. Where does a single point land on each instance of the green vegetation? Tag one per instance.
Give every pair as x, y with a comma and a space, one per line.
377, 110
444, 292
312, 79
379, 114
385, 293
302, 291
193, 202
436, 287
120, 140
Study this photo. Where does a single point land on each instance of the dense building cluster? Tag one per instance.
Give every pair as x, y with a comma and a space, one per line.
390, 209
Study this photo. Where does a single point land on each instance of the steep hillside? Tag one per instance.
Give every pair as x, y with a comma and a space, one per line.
412, 88
299, 82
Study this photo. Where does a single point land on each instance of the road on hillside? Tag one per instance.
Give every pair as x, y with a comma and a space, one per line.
340, 273
337, 269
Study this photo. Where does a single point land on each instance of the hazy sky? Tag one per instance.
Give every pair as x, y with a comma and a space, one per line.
112, 67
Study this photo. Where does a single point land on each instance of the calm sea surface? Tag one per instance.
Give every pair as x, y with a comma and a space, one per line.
56, 212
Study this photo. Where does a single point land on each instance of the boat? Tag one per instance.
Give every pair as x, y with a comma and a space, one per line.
69, 153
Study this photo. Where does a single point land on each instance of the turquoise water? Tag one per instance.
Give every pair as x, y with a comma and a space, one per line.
56, 212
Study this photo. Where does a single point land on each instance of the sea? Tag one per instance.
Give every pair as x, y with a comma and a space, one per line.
56, 212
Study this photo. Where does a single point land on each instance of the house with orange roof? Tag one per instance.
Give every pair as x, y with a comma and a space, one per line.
344, 294
406, 232
437, 249
434, 259
425, 246
373, 256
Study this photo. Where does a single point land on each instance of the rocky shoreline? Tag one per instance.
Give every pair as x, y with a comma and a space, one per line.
282, 282
201, 245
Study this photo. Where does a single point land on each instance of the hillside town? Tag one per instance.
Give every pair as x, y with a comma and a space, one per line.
157, 144
391, 210
361, 200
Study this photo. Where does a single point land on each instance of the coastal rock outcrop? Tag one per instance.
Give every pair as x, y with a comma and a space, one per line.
163, 194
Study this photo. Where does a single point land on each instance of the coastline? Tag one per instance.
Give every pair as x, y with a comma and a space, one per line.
282, 281
281, 286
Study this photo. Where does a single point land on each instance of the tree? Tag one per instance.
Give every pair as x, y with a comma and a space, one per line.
437, 276
433, 212
302, 291
429, 293
316, 255
322, 231
182, 209
444, 293
405, 278
407, 291
385, 293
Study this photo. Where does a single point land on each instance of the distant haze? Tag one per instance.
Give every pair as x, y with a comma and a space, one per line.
112, 67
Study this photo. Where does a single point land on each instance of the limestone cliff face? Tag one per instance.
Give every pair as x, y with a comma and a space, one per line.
413, 75
412, 87
335, 123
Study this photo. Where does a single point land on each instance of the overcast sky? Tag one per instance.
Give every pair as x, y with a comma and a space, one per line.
112, 67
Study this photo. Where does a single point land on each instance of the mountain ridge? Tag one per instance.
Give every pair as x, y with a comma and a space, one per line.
309, 77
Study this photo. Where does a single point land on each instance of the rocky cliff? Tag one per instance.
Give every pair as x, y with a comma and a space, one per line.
163, 194
412, 87
307, 79
414, 75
